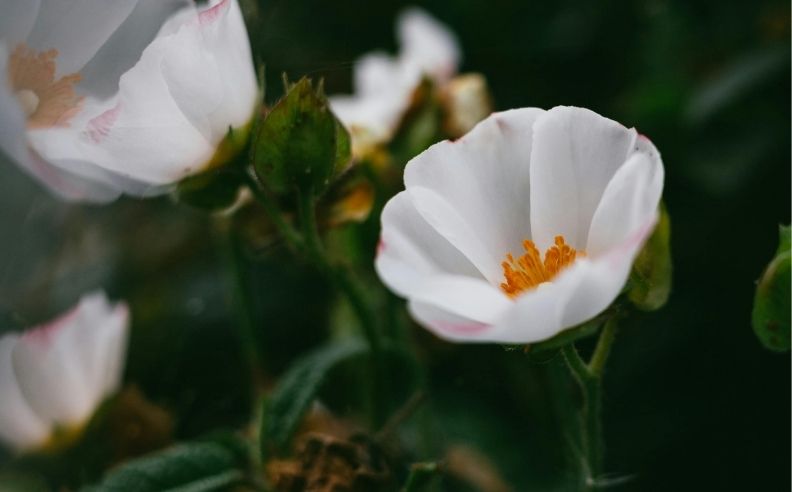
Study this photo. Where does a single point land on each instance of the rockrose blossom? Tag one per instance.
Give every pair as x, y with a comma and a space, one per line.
106, 97
526, 226
55, 375
384, 84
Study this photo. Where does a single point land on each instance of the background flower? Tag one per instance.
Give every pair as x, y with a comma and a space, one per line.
54, 376
97, 110
566, 182
384, 84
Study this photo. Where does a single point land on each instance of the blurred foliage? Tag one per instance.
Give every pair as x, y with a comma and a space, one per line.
707, 81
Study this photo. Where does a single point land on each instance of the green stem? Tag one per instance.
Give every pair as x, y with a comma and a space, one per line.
601, 352
354, 293
287, 232
313, 243
243, 304
589, 378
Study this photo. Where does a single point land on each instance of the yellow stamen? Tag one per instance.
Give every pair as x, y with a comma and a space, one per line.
46, 102
528, 271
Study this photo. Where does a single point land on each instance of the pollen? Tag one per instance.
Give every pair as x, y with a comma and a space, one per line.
529, 270
46, 102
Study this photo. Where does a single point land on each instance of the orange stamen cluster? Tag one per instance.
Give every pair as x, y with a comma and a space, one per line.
528, 271
34, 72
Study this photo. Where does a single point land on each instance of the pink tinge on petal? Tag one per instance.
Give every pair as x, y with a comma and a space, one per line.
629, 244
211, 14
453, 328
380, 246
98, 128
43, 335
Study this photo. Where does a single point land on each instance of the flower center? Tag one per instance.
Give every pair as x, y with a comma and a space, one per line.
529, 271
45, 101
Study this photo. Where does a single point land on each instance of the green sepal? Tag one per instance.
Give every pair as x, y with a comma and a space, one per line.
300, 143
771, 311
568, 336
215, 189
284, 410
650, 280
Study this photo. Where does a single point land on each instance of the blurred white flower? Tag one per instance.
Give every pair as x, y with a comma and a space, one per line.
52, 377
464, 242
384, 84
102, 98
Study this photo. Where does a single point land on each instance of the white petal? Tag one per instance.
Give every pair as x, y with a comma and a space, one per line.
411, 251
476, 191
428, 44
71, 186
102, 334
381, 75
76, 28
144, 137
65, 368
383, 87
447, 325
630, 201
225, 38
17, 20
122, 50
575, 154
20, 427
467, 297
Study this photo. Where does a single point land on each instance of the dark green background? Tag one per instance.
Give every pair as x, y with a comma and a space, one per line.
692, 400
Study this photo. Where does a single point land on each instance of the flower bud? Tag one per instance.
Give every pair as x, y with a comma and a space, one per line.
771, 311
650, 281
467, 101
300, 144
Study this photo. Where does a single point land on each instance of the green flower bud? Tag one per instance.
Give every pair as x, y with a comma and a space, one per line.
650, 280
300, 144
771, 311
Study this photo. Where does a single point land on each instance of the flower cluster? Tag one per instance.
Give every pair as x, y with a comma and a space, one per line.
123, 97
510, 227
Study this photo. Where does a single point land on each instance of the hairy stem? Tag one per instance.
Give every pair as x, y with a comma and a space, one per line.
589, 379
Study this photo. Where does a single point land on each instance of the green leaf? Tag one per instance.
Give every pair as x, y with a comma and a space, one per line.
650, 279
293, 395
771, 312
193, 467
300, 142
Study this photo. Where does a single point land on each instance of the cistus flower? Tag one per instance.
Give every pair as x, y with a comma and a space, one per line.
524, 227
53, 377
384, 84
102, 98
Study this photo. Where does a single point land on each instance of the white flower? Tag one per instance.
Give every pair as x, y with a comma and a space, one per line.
101, 98
55, 375
464, 242
384, 84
